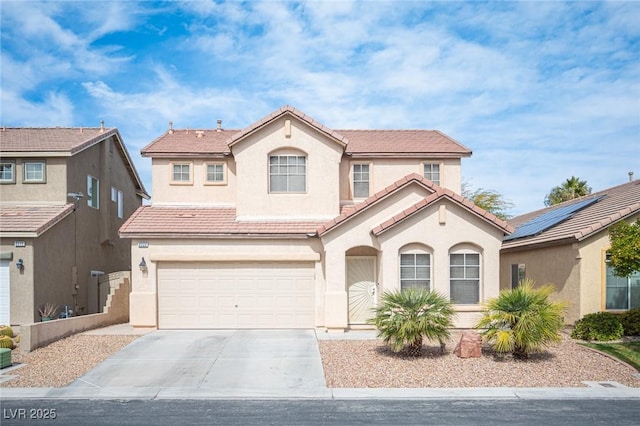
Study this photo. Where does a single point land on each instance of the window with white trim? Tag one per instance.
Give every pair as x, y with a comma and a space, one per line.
34, 171
360, 180
117, 197
432, 172
7, 172
287, 173
415, 270
464, 276
181, 173
215, 173
93, 192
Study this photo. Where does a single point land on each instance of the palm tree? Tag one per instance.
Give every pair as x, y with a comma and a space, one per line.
570, 189
405, 317
522, 320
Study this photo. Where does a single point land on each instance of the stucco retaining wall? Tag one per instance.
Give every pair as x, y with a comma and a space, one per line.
116, 310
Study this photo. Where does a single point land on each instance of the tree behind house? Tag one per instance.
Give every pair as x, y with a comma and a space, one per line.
568, 190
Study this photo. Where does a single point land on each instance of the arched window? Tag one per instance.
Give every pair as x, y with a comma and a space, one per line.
415, 268
464, 277
287, 171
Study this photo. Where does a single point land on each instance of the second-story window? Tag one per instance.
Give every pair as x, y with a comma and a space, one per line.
93, 192
215, 173
34, 172
7, 172
432, 172
287, 173
181, 173
360, 180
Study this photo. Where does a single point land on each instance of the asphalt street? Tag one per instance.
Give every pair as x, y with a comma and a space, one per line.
617, 412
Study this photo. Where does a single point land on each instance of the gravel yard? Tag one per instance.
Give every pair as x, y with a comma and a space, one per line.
358, 364
369, 364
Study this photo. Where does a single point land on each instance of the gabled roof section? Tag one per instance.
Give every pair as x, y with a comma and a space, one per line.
612, 205
31, 221
63, 142
202, 222
187, 143
288, 110
420, 143
440, 194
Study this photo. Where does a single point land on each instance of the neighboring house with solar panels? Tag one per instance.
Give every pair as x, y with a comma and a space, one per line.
64, 193
290, 224
567, 244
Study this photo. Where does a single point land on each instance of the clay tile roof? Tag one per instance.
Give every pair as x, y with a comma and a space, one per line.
184, 222
613, 205
186, 142
349, 213
423, 142
440, 194
33, 220
287, 109
359, 143
51, 139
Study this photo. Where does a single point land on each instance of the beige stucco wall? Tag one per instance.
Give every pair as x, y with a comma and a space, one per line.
386, 171
53, 191
321, 199
557, 265
20, 282
460, 229
198, 191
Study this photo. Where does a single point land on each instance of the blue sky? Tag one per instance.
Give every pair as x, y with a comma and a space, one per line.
540, 91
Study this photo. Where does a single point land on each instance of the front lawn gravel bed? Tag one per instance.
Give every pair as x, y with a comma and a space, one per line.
370, 364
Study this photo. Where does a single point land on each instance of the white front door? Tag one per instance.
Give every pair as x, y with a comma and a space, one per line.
5, 300
361, 282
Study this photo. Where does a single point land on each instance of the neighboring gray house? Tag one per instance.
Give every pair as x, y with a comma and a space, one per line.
64, 192
566, 245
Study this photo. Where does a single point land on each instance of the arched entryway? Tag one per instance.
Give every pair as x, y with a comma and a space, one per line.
362, 283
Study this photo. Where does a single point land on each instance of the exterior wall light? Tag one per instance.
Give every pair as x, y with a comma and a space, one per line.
143, 265
20, 265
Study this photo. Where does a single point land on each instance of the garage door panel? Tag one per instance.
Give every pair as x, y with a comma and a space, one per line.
236, 295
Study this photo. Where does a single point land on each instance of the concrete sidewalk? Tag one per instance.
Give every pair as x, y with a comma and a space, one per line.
254, 364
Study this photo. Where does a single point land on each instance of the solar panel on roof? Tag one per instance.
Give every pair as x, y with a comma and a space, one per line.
549, 219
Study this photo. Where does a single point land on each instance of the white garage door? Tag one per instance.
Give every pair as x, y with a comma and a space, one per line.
5, 301
236, 295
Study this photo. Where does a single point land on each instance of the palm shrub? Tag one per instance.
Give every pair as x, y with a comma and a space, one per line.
404, 318
522, 320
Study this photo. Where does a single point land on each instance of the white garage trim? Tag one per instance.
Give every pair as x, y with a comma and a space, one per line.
236, 295
235, 257
5, 292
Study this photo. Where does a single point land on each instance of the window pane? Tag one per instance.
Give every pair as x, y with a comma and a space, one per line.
422, 272
465, 292
361, 189
407, 272
422, 259
457, 259
407, 259
457, 271
472, 259
472, 272
297, 184
278, 183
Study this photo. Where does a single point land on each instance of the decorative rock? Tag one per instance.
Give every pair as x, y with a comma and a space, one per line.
469, 346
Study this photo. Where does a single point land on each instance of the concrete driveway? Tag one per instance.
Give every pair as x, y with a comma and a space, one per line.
213, 363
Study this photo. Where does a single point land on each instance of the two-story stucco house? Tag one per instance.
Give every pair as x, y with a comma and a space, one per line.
64, 193
288, 223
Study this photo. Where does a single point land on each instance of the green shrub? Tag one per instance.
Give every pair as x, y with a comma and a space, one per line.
6, 342
631, 322
601, 326
5, 330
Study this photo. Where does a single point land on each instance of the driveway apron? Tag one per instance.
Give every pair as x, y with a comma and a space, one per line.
215, 361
